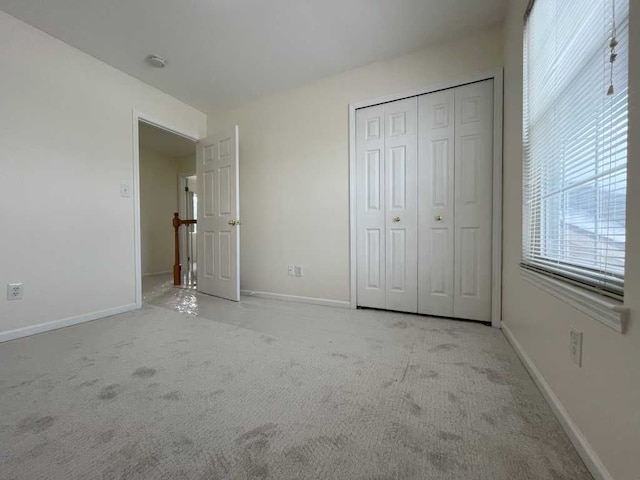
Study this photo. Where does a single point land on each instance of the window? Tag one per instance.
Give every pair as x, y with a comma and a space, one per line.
575, 141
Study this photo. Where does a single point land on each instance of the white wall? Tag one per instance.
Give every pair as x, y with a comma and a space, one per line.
602, 397
187, 164
65, 146
294, 165
158, 201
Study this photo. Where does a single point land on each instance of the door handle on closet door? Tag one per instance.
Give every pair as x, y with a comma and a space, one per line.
396, 219
438, 218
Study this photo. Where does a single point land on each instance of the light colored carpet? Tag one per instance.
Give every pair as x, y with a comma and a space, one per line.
199, 388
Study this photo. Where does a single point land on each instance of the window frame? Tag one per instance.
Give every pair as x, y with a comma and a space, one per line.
580, 290
608, 282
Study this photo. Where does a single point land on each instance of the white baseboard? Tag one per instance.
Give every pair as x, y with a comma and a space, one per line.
157, 273
295, 298
65, 322
580, 442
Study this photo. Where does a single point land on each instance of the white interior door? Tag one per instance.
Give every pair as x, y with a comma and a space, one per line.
370, 207
186, 192
473, 200
436, 126
183, 210
386, 205
218, 237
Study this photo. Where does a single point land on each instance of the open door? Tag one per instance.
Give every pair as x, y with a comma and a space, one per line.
218, 236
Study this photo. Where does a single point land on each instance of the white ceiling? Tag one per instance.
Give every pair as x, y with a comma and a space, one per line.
222, 53
164, 142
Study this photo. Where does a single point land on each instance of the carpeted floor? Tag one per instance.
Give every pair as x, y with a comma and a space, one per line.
192, 387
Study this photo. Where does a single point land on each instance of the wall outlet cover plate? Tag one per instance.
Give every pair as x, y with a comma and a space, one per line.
14, 291
575, 347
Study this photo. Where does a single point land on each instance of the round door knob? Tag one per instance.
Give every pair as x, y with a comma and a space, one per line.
396, 219
234, 222
438, 218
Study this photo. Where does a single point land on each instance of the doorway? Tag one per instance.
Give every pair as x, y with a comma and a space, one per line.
216, 203
162, 156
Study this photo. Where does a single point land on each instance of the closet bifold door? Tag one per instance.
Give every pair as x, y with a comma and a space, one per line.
473, 201
424, 169
370, 208
386, 206
455, 168
436, 124
401, 193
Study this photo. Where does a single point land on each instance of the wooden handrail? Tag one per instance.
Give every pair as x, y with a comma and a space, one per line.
177, 267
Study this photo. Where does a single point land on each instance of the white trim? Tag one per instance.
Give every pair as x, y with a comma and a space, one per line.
428, 89
496, 234
608, 311
496, 287
65, 322
295, 298
136, 117
580, 442
182, 204
156, 273
182, 209
159, 123
353, 265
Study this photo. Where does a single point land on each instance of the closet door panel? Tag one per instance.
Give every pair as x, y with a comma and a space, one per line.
370, 207
401, 204
436, 203
473, 200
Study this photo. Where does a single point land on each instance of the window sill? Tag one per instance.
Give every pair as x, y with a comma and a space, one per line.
608, 311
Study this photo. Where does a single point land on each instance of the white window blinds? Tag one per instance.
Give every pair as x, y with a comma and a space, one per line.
575, 142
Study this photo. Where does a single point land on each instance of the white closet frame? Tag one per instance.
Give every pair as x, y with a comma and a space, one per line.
496, 230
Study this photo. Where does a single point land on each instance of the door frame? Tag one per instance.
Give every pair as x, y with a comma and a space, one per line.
182, 211
182, 204
194, 136
496, 231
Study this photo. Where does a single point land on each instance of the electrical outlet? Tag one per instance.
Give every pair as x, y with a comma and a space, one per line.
14, 291
292, 269
299, 271
575, 347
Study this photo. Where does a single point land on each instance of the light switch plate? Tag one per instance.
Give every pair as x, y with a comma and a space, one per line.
125, 190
